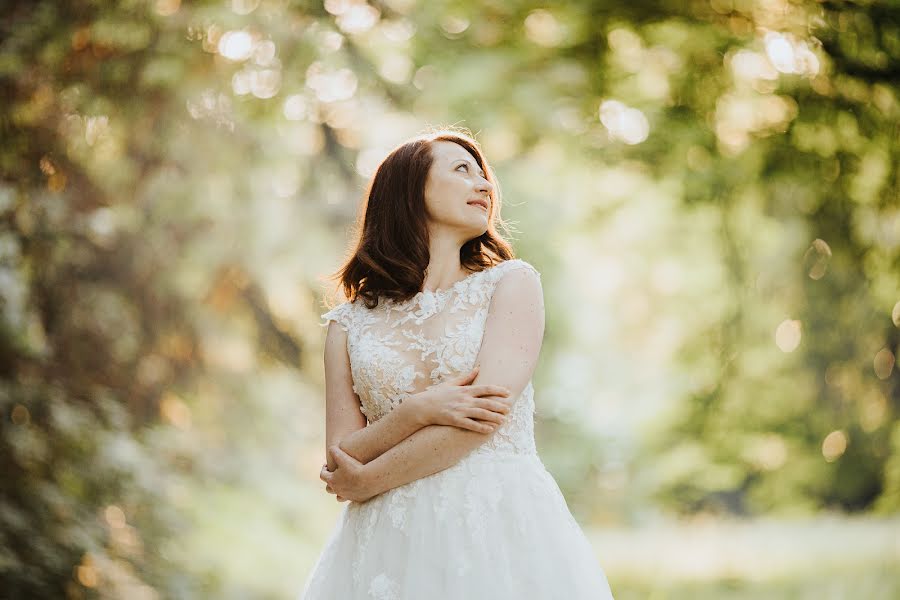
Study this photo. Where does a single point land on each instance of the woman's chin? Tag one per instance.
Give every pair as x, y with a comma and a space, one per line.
480, 230
480, 224
473, 227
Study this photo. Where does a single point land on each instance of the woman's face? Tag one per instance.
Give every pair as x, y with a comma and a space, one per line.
453, 190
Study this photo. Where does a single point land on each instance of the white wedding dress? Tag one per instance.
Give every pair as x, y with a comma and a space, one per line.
493, 526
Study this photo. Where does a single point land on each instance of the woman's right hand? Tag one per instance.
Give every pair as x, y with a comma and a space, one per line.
481, 408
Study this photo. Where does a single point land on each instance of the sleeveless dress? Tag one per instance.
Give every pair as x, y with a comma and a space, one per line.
493, 526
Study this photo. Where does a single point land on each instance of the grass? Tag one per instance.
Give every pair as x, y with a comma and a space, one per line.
822, 558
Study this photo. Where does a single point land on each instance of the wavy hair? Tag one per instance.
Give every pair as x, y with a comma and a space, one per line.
390, 238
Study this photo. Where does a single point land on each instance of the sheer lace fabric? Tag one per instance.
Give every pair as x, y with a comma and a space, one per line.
494, 525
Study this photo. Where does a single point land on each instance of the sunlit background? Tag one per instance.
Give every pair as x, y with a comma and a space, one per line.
709, 188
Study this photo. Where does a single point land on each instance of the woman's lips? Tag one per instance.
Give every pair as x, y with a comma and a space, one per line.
479, 204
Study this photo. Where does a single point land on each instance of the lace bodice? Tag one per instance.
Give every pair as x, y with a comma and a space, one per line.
404, 347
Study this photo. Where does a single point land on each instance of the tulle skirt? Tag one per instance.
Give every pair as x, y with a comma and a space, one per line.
490, 527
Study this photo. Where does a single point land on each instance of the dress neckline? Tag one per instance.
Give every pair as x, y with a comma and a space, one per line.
454, 285
442, 294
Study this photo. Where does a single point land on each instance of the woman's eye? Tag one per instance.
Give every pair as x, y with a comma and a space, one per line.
464, 165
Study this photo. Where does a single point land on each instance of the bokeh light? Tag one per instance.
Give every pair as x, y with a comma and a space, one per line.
834, 445
788, 335
623, 122
717, 389
236, 45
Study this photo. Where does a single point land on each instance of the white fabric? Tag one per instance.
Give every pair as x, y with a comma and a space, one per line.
494, 525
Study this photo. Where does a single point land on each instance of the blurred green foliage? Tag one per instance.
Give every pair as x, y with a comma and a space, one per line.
710, 188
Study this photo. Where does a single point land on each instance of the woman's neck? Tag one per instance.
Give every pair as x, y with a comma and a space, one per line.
444, 268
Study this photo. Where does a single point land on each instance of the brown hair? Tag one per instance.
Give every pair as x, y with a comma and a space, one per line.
391, 237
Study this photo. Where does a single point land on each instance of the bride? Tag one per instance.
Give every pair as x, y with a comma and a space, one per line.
430, 405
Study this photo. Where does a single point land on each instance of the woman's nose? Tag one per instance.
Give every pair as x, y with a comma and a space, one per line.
484, 186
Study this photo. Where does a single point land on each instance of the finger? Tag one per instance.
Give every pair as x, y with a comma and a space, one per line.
489, 390
340, 457
485, 415
478, 426
345, 460
498, 407
333, 451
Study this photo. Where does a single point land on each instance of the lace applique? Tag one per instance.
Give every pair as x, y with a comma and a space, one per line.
444, 503
423, 306
373, 359
483, 495
454, 354
341, 314
384, 588
400, 498
401, 348
364, 532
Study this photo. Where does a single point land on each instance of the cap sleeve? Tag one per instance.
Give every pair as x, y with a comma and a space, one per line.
511, 265
342, 314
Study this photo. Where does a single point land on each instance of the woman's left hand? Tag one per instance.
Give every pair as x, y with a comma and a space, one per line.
348, 481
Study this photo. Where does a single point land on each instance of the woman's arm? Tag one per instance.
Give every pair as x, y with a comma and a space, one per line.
376, 438
345, 425
342, 414
513, 334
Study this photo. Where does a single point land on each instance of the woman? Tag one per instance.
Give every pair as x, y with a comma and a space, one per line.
435, 350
